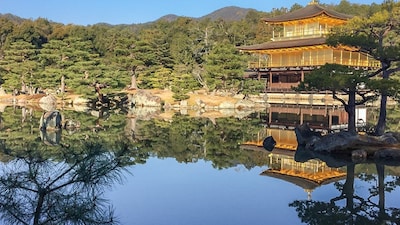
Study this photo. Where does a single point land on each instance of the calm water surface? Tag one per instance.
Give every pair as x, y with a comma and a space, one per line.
182, 170
164, 191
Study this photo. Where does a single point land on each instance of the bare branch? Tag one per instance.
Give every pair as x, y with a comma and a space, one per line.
393, 70
334, 95
375, 73
365, 97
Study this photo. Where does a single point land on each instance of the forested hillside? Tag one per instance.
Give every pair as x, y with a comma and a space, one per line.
181, 54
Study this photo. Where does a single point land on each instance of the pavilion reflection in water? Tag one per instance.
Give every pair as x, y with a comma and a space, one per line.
282, 119
307, 175
280, 123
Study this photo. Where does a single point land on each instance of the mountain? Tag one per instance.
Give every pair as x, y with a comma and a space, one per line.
230, 13
169, 17
12, 17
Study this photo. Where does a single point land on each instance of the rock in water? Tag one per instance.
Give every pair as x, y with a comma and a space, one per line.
48, 103
50, 120
305, 135
269, 143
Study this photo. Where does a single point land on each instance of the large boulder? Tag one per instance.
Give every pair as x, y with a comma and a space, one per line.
334, 142
269, 143
358, 147
144, 98
48, 102
51, 120
312, 140
305, 135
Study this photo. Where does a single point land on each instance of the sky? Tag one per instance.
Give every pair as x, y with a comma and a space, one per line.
89, 12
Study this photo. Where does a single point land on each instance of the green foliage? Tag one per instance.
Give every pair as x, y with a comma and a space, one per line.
253, 86
341, 79
19, 65
183, 55
332, 77
376, 35
225, 68
182, 84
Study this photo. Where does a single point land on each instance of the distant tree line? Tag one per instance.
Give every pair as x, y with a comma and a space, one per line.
181, 55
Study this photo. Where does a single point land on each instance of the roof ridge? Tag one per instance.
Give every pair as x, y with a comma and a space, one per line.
309, 11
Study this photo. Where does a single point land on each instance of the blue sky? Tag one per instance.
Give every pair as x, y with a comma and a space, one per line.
87, 12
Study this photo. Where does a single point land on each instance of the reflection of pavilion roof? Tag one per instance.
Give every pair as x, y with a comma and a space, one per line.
304, 180
310, 11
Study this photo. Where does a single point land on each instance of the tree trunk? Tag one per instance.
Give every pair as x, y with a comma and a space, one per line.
23, 87
39, 206
348, 188
351, 111
381, 189
381, 125
133, 81
62, 84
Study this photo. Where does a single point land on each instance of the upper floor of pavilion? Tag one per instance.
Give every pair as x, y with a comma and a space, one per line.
311, 21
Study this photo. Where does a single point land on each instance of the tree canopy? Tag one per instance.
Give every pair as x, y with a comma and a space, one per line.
182, 55
376, 35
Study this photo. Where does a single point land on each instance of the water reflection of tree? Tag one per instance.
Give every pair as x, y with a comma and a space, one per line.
189, 139
357, 210
185, 138
37, 189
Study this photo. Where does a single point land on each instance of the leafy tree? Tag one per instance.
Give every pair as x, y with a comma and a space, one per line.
225, 68
116, 49
151, 52
182, 84
341, 79
19, 66
72, 58
378, 36
181, 37
6, 28
296, 6
34, 32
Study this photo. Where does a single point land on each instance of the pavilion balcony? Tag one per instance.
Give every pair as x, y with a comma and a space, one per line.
310, 33
312, 59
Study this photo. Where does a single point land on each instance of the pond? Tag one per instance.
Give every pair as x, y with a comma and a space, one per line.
125, 166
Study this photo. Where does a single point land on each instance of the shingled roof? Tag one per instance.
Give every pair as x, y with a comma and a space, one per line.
311, 10
285, 44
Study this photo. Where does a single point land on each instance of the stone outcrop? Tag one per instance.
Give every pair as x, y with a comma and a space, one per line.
48, 102
269, 143
144, 98
357, 147
51, 120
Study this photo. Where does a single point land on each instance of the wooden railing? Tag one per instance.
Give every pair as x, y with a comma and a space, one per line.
308, 33
308, 63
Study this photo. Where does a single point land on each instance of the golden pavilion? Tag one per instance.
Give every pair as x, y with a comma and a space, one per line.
298, 45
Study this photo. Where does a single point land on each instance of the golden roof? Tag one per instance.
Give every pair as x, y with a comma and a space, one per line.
310, 11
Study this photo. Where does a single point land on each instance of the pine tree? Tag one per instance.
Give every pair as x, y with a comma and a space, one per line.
19, 66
